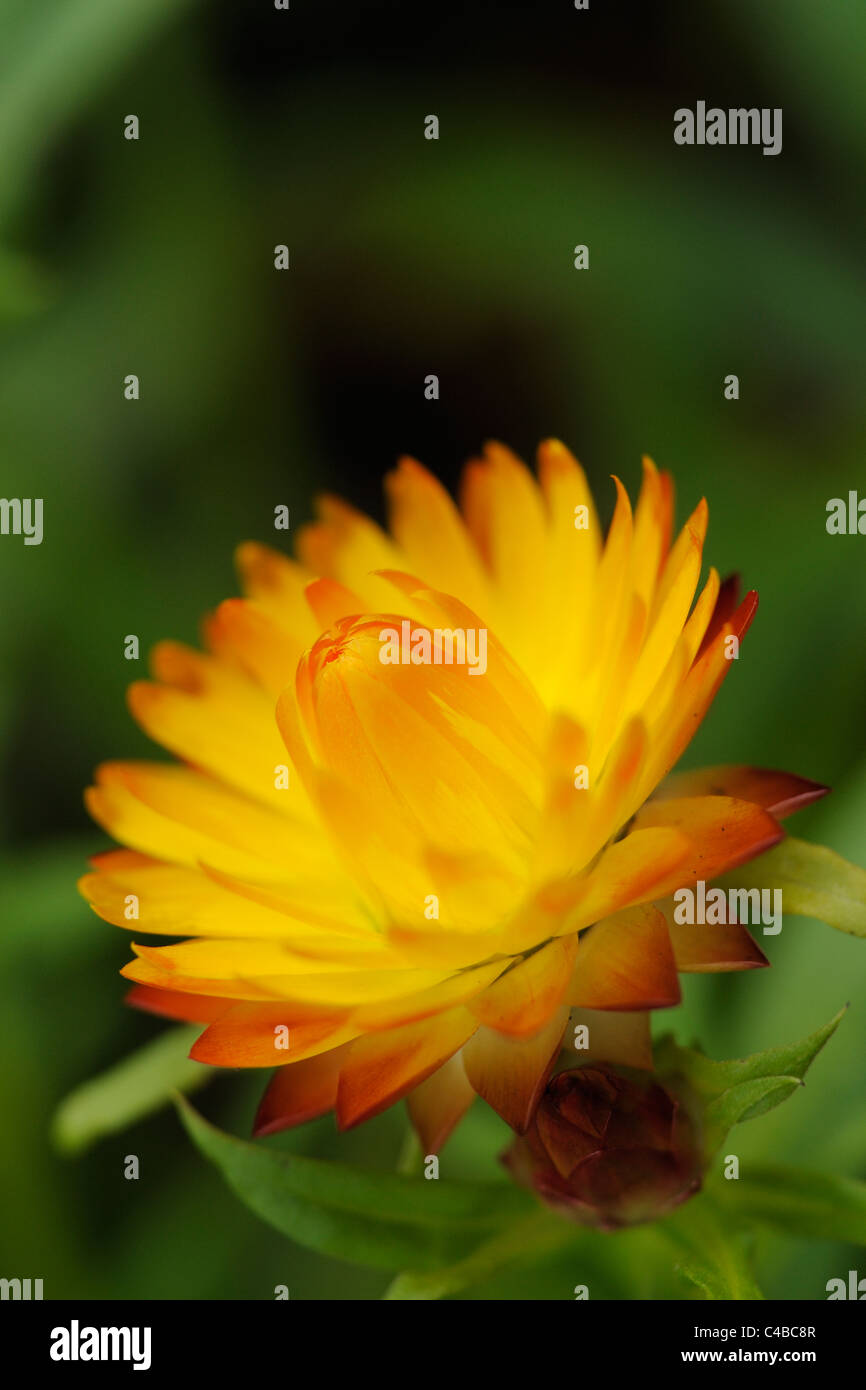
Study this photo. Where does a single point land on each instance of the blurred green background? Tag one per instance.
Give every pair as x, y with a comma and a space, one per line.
257, 388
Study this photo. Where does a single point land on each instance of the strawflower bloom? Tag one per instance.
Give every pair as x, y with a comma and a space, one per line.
400, 875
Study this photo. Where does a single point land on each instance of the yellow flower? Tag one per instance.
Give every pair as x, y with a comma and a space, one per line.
386, 864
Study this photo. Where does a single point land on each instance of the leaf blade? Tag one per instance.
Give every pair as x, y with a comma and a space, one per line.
745, 1102
710, 1078
387, 1221
815, 882
820, 1206
731, 1092
523, 1242
714, 1255
129, 1091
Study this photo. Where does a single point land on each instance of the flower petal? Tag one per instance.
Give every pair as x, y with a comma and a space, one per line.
180, 815
780, 793
247, 632
173, 900
460, 988
438, 1104
626, 962
432, 533
381, 1068
704, 948
299, 1092
511, 1073
276, 585
724, 832
523, 1000
166, 1003
250, 1035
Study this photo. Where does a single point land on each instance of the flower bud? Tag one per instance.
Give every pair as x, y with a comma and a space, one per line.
608, 1150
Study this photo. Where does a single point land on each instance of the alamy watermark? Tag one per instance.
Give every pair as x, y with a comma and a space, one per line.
24, 1289
714, 907
22, 516
855, 1288
846, 519
736, 126
424, 646
76, 1343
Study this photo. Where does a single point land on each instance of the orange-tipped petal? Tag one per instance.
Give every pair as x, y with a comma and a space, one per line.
522, 1001
252, 1035
725, 608
626, 962
186, 1008
780, 793
636, 869
331, 601
299, 1092
381, 1068
263, 647
432, 533
724, 832
439, 1103
652, 528
511, 1073
703, 948
692, 697
277, 584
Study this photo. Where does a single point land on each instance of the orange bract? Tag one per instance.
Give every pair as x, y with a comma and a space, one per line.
398, 876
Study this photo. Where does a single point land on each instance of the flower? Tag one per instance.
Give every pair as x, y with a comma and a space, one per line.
607, 1149
403, 877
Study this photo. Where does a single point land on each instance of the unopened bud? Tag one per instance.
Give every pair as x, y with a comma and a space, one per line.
608, 1150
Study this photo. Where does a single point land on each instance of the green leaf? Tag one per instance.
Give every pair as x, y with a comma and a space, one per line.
55, 56
819, 1206
716, 1256
745, 1102
137, 1086
386, 1220
720, 1282
735, 1091
522, 1243
711, 1078
815, 882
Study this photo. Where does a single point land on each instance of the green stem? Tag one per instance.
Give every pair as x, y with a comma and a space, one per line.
539, 1234
715, 1258
409, 1157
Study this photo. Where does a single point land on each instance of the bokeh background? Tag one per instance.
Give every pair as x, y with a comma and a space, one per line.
408, 257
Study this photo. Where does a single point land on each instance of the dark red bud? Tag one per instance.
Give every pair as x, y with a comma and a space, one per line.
608, 1150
